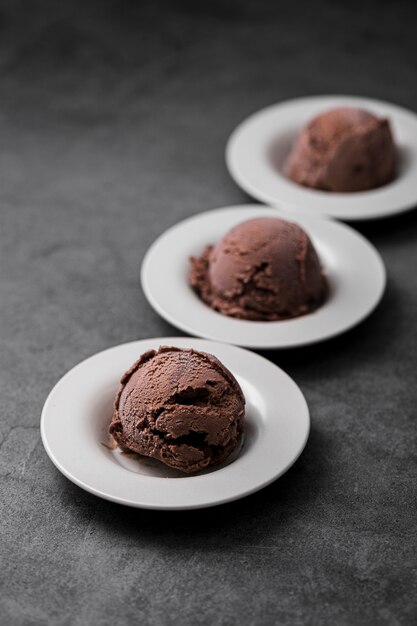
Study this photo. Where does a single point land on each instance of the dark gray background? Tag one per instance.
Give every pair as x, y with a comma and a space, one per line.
113, 123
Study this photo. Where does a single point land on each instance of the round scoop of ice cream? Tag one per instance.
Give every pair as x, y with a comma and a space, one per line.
181, 407
263, 269
343, 150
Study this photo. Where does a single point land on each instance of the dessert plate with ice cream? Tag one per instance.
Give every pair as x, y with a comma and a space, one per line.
261, 278
174, 423
346, 157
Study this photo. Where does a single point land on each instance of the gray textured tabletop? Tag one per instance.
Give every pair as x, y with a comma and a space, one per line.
113, 123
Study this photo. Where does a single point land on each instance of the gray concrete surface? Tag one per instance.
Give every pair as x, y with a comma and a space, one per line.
113, 122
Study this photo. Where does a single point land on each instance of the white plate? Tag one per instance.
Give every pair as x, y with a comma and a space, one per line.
274, 129
76, 416
355, 272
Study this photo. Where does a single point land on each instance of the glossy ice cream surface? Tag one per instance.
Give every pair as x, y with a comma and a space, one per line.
181, 407
343, 150
263, 269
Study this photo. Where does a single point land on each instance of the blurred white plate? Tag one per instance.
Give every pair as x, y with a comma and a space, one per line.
257, 151
77, 413
354, 269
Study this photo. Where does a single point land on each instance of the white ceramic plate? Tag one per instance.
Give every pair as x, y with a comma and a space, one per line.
257, 151
77, 413
354, 269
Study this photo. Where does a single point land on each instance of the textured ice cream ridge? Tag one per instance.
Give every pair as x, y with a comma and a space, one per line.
182, 407
343, 150
263, 269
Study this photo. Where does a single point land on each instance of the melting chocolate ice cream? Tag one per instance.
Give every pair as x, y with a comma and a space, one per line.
344, 149
263, 269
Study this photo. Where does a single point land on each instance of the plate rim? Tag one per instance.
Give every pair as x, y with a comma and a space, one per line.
183, 326
291, 205
143, 344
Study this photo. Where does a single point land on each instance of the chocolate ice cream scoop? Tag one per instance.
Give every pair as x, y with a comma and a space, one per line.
344, 149
263, 269
181, 407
